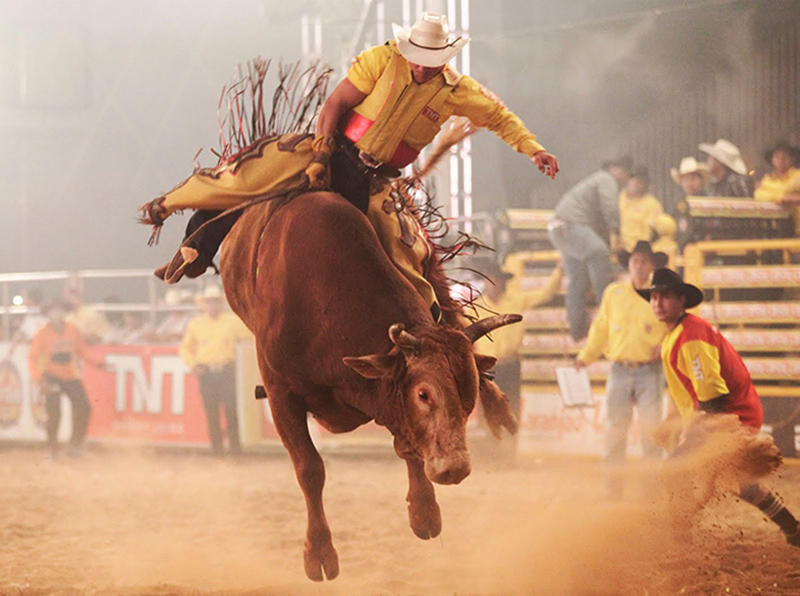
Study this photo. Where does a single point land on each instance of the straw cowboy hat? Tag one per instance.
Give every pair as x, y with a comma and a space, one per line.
643, 247
211, 292
689, 165
667, 279
727, 154
428, 42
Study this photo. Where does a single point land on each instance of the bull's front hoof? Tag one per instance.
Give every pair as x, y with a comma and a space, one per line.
425, 518
319, 560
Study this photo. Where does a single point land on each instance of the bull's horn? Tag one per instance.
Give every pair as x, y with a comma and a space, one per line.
403, 339
480, 328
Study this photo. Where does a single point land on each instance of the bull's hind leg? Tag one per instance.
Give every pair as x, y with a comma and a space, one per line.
290, 419
424, 515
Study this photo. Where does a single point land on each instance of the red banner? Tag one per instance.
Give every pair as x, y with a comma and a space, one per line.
147, 394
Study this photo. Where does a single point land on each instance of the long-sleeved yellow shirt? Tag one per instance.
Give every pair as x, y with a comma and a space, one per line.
398, 111
636, 218
624, 329
211, 341
505, 341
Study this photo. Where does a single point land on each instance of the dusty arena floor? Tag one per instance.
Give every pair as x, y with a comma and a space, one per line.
126, 523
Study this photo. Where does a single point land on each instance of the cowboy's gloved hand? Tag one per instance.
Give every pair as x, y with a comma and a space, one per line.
317, 170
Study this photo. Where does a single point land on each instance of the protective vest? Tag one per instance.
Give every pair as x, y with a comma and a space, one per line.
400, 117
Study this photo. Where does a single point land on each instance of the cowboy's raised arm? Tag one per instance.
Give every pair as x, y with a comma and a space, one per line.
485, 109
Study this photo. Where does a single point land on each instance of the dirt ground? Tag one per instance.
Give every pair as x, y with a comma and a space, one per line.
122, 522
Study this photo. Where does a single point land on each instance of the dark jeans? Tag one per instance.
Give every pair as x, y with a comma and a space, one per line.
218, 387
81, 410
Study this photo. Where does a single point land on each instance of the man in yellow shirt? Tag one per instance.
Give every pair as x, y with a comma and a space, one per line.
638, 210
208, 348
504, 294
395, 99
630, 337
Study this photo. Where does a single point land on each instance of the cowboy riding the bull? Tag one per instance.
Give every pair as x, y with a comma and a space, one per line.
393, 102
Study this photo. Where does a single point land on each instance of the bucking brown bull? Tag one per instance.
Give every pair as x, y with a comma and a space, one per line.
342, 335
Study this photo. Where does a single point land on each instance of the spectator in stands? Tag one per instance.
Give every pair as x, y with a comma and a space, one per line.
627, 332
504, 294
782, 185
691, 176
727, 170
173, 325
584, 221
54, 363
208, 348
704, 372
34, 319
92, 324
638, 210
785, 176
132, 329
666, 228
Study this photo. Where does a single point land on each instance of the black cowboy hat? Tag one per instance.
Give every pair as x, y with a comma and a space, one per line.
667, 279
791, 150
643, 247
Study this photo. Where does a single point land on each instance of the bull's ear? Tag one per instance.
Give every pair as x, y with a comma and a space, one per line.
485, 363
371, 367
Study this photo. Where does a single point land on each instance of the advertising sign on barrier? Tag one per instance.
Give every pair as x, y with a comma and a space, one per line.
147, 395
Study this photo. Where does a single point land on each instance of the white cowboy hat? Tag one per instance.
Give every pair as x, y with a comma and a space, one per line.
211, 292
428, 42
689, 165
726, 153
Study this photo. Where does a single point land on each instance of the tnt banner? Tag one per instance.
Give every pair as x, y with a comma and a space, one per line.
147, 394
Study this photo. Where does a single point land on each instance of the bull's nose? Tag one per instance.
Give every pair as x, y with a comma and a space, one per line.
448, 470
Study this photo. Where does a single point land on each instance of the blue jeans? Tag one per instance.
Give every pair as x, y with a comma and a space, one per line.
642, 387
587, 263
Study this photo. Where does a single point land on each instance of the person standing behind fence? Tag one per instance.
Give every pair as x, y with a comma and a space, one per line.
54, 363
208, 348
727, 170
583, 221
638, 210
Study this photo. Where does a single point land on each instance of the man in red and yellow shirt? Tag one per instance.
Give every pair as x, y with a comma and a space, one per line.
704, 372
53, 361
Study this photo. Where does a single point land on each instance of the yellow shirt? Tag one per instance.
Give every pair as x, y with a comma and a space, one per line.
624, 329
636, 218
772, 188
505, 341
398, 110
212, 341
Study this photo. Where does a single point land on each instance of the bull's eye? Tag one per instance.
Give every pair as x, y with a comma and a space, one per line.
423, 395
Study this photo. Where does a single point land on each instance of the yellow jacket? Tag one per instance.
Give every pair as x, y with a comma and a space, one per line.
212, 341
624, 329
399, 117
636, 218
773, 189
505, 341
